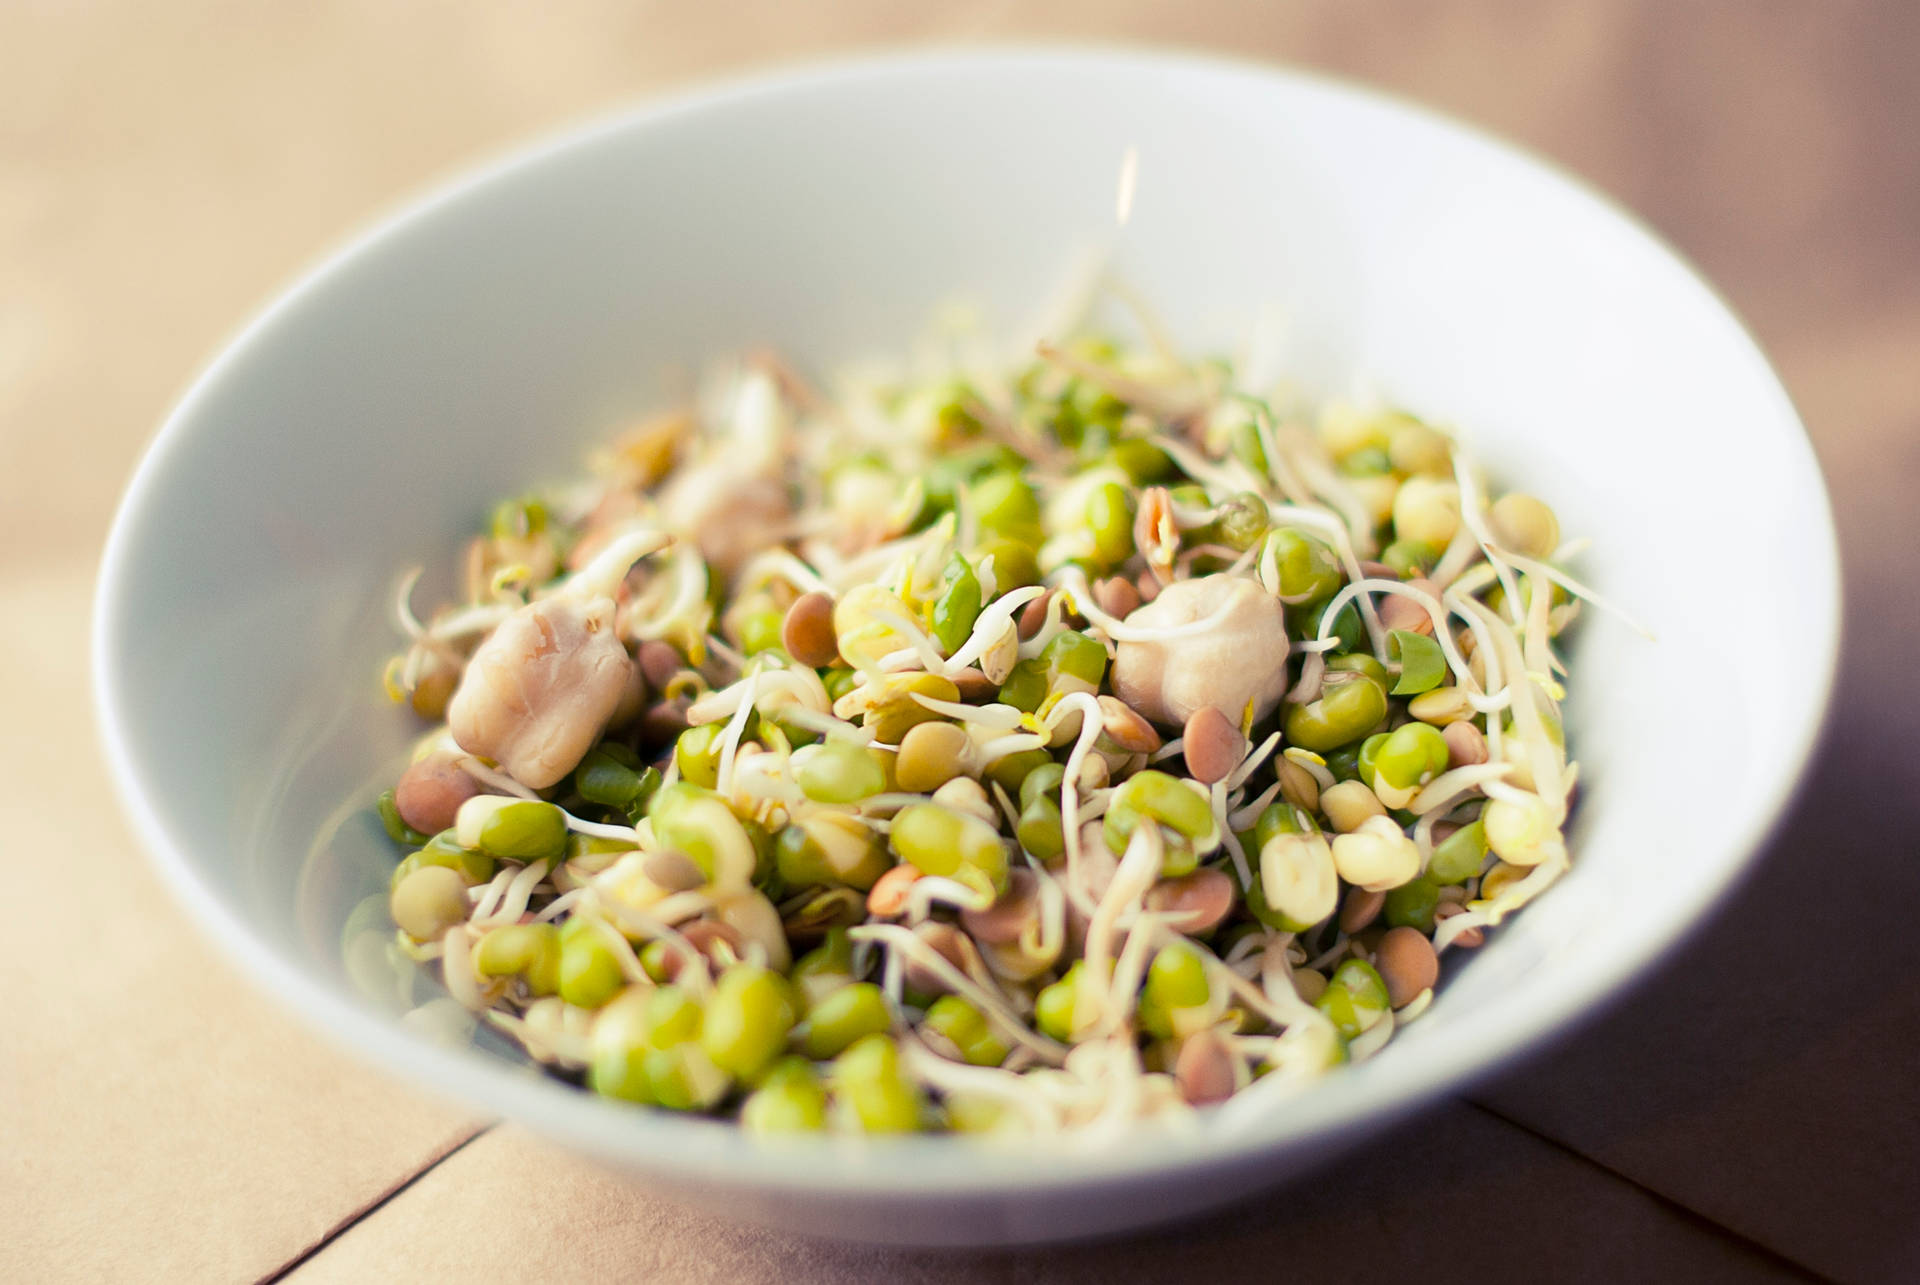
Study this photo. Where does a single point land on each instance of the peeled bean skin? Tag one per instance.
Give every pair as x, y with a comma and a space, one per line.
539, 691
1241, 660
888, 896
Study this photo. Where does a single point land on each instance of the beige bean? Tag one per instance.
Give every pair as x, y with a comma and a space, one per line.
888, 896
1525, 525
1297, 785
1148, 585
1308, 984
1007, 918
541, 688
1427, 509
1212, 744
429, 901
1095, 774
807, 631
964, 794
1377, 570
1239, 661
433, 691
1360, 910
1467, 940
1415, 448
1349, 804
1117, 596
672, 870
1201, 899
1441, 706
1205, 1069
1503, 876
1406, 963
1466, 744
1377, 855
931, 754
430, 792
1125, 727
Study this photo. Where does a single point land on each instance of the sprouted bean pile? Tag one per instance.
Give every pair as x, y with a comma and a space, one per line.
1034, 751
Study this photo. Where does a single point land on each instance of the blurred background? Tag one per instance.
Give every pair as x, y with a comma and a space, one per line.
1752, 1112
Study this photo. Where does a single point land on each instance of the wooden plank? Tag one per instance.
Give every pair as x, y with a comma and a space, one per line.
1454, 1195
160, 1119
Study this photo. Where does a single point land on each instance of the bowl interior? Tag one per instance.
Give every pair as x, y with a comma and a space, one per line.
486, 338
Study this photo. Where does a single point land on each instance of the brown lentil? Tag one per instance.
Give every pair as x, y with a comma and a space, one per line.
430, 792
659, 662
953, 946
1360, 909
1007, 918
1467, 940
1212, 744
1466, 744
1033, 616
1397, 611
1201, 899
807, 631
1407, 964
975, 687
1117, 596
1205, 1068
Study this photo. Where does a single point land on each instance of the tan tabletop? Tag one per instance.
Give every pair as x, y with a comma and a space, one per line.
1753, 1112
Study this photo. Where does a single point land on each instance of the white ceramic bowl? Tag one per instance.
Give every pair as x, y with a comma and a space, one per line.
484, 337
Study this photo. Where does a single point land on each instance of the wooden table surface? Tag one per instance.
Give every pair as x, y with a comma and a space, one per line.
1751, 1112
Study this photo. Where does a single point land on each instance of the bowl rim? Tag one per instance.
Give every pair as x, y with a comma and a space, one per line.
1340, 1111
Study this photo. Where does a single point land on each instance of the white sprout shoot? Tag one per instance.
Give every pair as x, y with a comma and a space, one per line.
1004, 1019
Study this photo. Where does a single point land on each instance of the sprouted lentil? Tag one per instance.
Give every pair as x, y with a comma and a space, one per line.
1029, 750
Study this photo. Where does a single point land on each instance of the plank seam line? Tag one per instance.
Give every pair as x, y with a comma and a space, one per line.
354, 1219
1686, 1212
